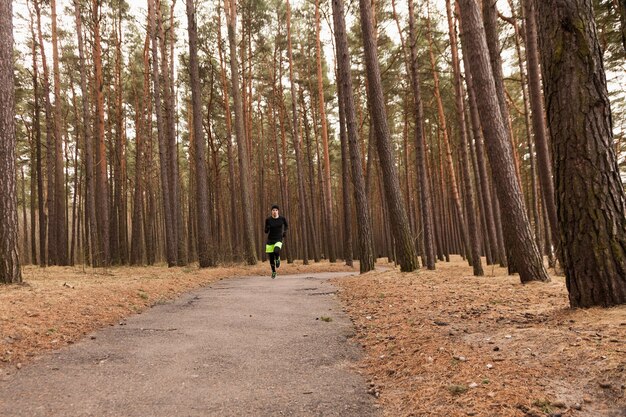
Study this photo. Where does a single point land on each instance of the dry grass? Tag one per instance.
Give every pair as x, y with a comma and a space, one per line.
58, 305
445, 343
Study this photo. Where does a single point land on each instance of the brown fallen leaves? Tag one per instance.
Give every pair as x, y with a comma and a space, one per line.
58, 305
446, 343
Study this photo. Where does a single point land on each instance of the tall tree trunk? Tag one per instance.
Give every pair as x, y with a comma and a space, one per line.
498, 251
590, 195
312, 218
201, 183
102, 187
489, 13
48, 254
170, 235
367, 258
235, 234
297, 146
37, 151
328, 197
426, 206
242, 147
169, 109
526, 253
400, 223
10, 270
539, 125
90, 192
345, 176
120, 133
470, 205
60, 203
458, 206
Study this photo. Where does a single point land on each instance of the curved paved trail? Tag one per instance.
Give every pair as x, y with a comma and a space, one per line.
241, 347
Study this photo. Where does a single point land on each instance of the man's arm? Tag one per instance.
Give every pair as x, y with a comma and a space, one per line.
285, 227
267, 225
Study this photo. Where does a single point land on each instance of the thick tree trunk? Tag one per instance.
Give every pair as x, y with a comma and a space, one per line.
242, 147
10, 270
405, 245
202, 189
590, 195
367, 258
527, 255
426, 206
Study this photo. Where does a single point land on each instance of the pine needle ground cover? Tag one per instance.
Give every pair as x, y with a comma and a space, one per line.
446, 343
59, 305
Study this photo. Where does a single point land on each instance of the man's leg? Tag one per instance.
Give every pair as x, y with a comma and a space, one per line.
272, 259
277, 247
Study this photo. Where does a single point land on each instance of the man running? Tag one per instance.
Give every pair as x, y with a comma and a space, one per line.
276, 228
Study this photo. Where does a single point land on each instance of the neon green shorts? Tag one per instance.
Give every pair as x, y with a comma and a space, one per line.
270, 248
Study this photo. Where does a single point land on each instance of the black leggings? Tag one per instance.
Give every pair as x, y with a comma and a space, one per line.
273, 257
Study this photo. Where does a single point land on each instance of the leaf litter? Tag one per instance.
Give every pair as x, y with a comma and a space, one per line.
446, 343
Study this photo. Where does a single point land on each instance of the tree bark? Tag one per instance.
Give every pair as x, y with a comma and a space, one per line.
527, 255
10, 270
399, 220
590, 195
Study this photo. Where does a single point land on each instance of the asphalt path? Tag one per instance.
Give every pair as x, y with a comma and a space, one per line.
248, 346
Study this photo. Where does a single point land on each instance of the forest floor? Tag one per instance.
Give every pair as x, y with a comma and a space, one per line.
446, 343
436, 343
57, 306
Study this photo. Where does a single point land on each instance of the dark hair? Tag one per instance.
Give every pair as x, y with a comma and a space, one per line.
275, 207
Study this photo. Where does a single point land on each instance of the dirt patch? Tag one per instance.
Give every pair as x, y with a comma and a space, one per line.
57, 306
446, 343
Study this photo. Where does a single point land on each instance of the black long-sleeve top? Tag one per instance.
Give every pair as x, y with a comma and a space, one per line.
275, 227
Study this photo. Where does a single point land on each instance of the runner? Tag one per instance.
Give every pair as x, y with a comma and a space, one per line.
276, 228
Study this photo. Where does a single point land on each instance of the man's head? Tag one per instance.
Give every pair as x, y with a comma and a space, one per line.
274, 211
